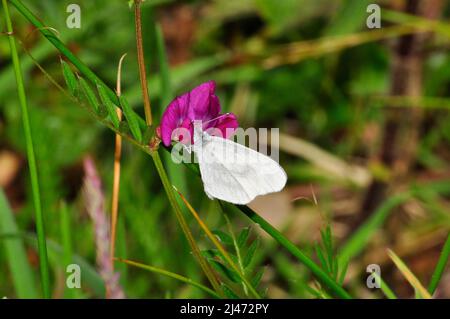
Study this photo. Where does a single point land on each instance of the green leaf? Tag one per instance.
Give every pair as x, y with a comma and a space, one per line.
69, 77
223, 237
243, 237
342, 274
90, 95
110, 106
124, 128
256, 279
211, 253
103, 112
132, 118
21, 272
224, 271
251, 253
229, 292
322, 259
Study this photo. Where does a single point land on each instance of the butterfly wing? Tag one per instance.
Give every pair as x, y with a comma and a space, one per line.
235, 173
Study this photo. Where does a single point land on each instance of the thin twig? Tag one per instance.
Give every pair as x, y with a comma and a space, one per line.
141, 62
169, 274
116, 177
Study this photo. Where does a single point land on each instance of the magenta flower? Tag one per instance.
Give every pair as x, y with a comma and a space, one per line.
200, 104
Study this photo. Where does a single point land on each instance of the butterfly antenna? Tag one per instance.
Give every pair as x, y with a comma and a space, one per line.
216, 118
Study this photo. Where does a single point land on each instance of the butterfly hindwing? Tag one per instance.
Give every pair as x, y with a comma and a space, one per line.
235, 173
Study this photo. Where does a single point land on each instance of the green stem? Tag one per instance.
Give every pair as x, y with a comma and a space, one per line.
220, 248
40, 229
440, 267
170, 274
385, 288
236, 248
183, 224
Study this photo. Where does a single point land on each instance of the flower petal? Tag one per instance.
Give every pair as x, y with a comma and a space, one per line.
173, 117
204, 104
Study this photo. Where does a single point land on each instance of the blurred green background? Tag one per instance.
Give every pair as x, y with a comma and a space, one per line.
309, 67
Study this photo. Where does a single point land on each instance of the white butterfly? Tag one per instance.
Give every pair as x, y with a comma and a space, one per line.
233, 172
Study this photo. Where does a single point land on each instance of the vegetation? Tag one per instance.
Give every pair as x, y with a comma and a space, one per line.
364, 133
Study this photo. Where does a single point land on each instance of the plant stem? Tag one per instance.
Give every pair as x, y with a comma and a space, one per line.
40, 229
440, 267
387, 291
220, 248
116, 174
141, 62
286, 243
183, 224
236, 248
169, 274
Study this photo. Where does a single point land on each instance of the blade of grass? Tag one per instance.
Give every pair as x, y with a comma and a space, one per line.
359, 239
21, 272
216, 243
325, 160
66, 244
407, 273
169, 274
419, 22
294, 52
440, 267
40, 228
385, 288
